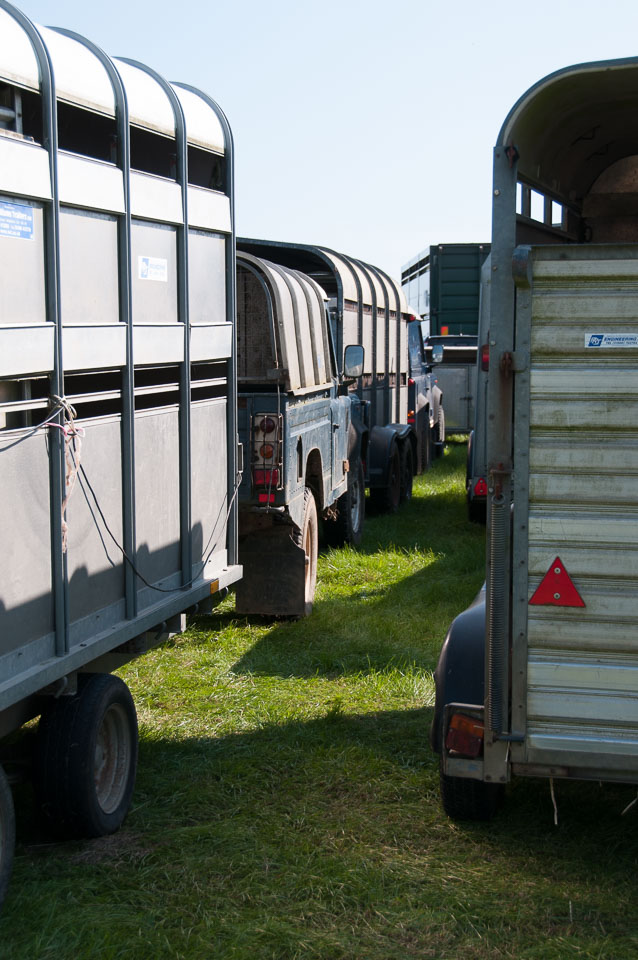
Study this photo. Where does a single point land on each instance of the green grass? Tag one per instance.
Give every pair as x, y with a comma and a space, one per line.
287, 799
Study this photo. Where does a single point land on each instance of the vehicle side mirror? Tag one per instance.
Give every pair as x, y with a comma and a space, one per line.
353, 361
437, 352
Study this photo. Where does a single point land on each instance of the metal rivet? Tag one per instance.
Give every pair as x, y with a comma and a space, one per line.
497, 193
557, 596
556, 569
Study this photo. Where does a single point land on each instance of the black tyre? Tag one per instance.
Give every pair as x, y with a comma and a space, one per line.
440, 434
310, 543
407, 472
7, 834
386, 499
477, 511
86, 757
466, 799
426, 448
347, 526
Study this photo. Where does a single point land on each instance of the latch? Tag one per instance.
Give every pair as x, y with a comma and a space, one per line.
513, 362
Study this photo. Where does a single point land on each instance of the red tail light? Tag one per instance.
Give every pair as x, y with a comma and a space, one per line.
267, 425
485, 357
267, 452
266, 478
411, 417
465, 736
410, 382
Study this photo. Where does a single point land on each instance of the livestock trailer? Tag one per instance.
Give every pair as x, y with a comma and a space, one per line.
540, 677
401, 419
295, 424
117, 399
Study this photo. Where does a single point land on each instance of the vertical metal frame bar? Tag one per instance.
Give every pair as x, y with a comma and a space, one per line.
54, 316
231, 317
357, 282
397, 296
499, 446
520, 519
185, 455
373, 291
126, 316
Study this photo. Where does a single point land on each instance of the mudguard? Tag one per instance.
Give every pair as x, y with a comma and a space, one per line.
381, 443
460, 673
274, 567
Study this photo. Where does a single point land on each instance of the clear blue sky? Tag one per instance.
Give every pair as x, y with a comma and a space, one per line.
364, 126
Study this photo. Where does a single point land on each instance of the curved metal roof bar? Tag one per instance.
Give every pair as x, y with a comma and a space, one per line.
357, 282
254, 266
231, 310
284, 273
373, 292
126, 314
388, 285
321, 298
53, 306
186, 511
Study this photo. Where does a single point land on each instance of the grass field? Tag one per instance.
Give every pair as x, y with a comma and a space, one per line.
287, 799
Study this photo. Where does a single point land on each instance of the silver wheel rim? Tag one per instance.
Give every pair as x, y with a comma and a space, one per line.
355, 505
112, 761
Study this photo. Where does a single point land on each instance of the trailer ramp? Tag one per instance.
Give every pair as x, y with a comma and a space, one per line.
575, 666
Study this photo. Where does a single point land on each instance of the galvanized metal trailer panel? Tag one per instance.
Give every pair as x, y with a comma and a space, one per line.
118, 302
558, 637
582, 504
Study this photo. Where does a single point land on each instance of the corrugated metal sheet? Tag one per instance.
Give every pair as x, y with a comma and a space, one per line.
582, 667
281, 324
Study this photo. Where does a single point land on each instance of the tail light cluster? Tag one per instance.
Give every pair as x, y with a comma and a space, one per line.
465, 736
266, 460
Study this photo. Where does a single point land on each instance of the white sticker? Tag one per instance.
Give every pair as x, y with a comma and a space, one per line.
152, 268
616, 340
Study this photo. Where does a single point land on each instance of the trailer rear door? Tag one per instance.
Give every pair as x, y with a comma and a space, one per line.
575, 580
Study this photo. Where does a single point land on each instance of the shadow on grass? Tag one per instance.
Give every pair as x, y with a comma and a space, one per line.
369, 618
336, 821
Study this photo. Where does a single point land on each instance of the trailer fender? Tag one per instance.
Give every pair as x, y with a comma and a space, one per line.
459, 675
381, 445
279, 560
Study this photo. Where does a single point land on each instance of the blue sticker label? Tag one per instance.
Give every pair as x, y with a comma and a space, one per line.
16, 220
615, 340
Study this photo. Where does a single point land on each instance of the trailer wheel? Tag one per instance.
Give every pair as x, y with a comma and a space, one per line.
386, 499
309, 540
407, 472
86, 757
466, 799
426, 448
7, 834
440, 434
347, 527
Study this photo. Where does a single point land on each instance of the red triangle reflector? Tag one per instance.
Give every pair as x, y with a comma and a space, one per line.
556, 588
480, 487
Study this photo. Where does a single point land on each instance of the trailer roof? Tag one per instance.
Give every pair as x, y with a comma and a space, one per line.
342, 277
298, 326
81, 79
573, 124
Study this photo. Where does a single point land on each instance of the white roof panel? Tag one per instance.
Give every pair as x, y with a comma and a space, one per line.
148, 103
78, 74
202, 123
18, 62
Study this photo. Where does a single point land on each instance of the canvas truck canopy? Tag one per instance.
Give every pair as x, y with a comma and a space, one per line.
282, 328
